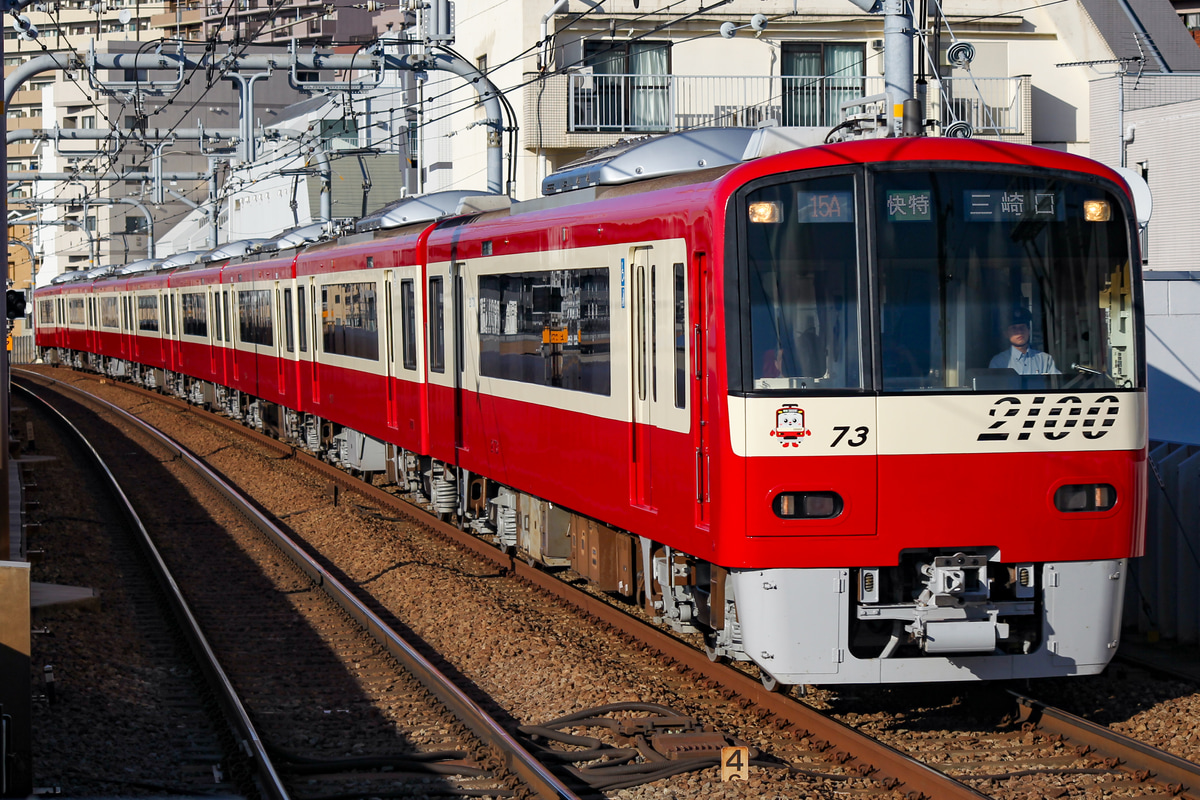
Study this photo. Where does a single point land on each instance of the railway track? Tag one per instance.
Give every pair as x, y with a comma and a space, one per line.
281, 632
844, 758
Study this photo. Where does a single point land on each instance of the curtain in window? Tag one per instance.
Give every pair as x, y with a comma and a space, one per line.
801, 86
648, 107
844, 68
606, 107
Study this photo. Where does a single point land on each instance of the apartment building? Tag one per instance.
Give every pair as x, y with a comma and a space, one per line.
69, 187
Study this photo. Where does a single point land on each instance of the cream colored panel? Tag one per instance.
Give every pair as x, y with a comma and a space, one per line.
615, 406
1017, 423
802, 426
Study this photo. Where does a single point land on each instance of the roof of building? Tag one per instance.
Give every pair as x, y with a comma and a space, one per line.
1122, 23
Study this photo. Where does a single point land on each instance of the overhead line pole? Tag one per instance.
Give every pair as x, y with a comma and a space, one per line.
294, 62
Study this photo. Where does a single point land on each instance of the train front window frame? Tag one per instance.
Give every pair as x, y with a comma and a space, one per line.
966, 258
799, 272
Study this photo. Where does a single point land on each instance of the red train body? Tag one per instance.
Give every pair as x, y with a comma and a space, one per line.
761, 399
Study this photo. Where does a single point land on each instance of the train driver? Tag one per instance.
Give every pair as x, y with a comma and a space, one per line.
1020, 356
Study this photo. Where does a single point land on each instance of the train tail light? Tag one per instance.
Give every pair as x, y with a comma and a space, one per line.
1085, 497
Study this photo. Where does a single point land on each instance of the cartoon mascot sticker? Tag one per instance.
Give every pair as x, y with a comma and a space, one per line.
789, 425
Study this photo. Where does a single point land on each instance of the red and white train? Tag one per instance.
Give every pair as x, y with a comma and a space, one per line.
771, 395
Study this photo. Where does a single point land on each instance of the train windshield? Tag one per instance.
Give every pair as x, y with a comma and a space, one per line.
998, 281
986, 281
804, 285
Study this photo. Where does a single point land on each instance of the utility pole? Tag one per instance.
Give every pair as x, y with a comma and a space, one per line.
16, 703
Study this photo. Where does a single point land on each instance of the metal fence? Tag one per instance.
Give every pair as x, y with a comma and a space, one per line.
615, 103
23, 350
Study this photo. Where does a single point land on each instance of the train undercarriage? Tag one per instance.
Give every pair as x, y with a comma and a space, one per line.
936, 615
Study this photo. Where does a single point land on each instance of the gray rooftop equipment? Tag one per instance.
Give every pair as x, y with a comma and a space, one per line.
231, 250
295, 237
184, 259
428, 207
136, 267
641, 159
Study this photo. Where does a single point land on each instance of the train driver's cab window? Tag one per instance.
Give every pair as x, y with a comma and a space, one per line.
802, 257
1000, 282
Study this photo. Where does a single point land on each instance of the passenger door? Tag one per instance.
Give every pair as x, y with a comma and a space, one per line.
642, 350
702, 385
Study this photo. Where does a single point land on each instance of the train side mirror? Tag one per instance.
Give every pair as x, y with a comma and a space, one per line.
15, 303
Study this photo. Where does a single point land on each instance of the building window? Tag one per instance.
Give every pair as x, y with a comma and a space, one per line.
339, 134
817, 78
630, 85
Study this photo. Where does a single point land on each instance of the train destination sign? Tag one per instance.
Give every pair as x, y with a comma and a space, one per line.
825, 206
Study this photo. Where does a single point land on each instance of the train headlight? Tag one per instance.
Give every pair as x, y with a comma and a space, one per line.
1097, 210
765, 211
807, 505
1085, 497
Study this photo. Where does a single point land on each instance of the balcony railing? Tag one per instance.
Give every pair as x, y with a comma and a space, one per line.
666, 103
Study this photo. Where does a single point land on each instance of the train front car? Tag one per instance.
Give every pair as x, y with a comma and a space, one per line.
936, 413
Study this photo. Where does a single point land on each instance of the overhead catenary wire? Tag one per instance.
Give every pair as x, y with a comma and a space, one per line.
453, 108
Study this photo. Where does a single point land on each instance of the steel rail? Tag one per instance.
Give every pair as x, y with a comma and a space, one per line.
1184, 776
513, 754
875, 759
266, 775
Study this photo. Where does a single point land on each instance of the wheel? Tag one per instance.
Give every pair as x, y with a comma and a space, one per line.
770, 684
714, 655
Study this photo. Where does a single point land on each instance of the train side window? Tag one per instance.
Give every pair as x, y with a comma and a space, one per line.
302, 320
148, 313
254, 317
653, 333
225, 314
195, 320
680, 341
351, 326
287, 320
437, 327
408, 323
110, 314
458, 325
640, 332
216, 309
549, 328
